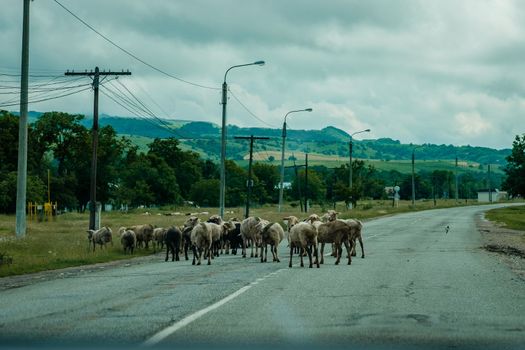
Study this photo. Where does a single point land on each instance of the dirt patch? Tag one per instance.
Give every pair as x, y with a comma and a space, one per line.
508, 244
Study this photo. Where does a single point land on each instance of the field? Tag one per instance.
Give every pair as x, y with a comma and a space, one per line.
512, 217
62, 242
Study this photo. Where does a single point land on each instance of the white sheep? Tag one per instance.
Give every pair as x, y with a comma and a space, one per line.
201, 239
159, 236
251, 229
272, 234
304, 236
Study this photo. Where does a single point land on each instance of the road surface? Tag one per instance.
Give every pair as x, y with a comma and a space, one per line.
419, 285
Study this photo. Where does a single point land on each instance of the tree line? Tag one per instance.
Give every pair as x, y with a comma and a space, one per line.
167, 175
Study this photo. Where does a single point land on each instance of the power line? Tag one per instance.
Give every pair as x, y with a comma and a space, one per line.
248, 110
46, 99
131, 54
136, 110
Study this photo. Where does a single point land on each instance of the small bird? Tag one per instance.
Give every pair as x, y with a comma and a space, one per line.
446, 229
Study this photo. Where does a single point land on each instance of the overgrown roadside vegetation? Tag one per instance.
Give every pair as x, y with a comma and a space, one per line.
62, 242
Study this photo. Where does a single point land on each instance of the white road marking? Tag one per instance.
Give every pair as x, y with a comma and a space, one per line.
166, 332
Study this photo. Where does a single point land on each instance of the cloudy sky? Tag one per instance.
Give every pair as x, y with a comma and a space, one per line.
420, 71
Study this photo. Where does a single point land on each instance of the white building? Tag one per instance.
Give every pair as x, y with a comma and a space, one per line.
485, 196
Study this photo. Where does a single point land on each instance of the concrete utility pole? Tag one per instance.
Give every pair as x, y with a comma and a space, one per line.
21, 180
489, 184
222, 188
250, 184
93, 182
281, 187
350, 150
457, 191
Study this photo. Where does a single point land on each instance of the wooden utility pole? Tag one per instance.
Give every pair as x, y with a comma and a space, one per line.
306, 184
21, 180
93, 182
250, 184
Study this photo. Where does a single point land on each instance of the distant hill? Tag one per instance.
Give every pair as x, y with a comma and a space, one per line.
204, 138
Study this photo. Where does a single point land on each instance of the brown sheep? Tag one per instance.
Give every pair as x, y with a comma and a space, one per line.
100, 236
338, 233
144, 234
128, 239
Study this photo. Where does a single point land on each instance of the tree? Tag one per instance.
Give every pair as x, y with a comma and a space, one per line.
205, 192
186, 164
9, 142
268, 178
514, 182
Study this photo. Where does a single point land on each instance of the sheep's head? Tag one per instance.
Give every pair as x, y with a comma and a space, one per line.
312, 218
330, 215
216, 219
191, 222
291, 221
228, 226
90, 234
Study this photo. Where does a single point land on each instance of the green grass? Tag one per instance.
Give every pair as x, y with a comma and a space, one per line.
62, 242
511, 217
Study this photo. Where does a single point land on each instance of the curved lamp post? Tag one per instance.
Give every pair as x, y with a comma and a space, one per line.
222, 190
351, 146
282, 154
413, 181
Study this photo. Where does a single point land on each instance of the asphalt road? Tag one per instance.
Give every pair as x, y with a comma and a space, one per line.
418, 286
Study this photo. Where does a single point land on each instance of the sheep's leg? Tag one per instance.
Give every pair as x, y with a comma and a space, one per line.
244, 247
309, 251
362, 249
348, 249
302, 254
209, 256
194, 250
177, 249
316, 252
338, 251
322, 253
262, 256
167, 252
291, 254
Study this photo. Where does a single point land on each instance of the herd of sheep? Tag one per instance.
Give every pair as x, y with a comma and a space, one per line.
215, 236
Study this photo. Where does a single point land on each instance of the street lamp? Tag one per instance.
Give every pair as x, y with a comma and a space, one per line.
413, 181
351, 147
222, 189
282, 155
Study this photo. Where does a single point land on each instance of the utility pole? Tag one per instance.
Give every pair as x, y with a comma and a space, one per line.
295, 166
489, 184
306, 184
457, 190
250, 184
21, 180
93, 182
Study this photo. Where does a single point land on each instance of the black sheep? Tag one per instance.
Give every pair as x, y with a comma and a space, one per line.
173, 242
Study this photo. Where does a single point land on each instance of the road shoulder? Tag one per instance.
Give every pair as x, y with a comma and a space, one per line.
508, 245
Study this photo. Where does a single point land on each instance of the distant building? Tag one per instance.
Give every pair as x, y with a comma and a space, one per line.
286, 186
485, 196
